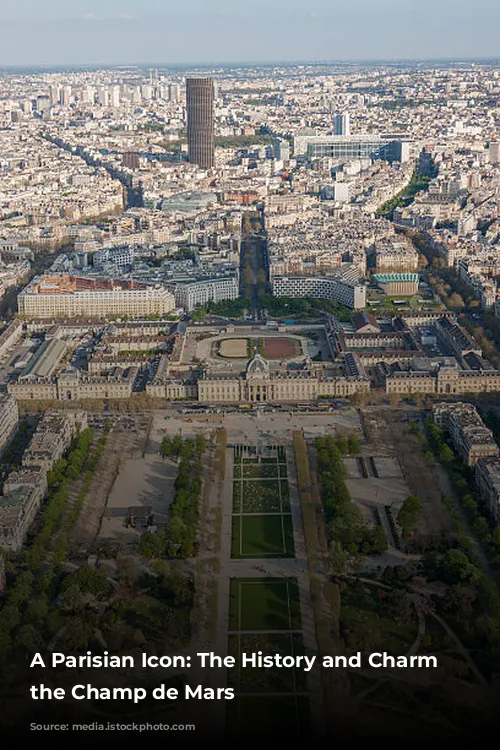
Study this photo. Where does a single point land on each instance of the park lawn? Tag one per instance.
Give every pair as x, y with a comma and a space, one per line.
262, 536
264, 604
278, 719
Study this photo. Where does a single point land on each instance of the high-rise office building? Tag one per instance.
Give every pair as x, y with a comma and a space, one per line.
66, 96
200, 121
341, 124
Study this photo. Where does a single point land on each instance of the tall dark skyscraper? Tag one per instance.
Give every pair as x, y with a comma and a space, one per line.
200, 121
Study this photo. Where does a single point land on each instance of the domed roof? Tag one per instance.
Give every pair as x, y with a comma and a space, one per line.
257, 365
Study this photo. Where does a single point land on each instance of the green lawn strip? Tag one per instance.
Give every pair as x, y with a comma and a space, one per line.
266, 536
280, 718
264, 604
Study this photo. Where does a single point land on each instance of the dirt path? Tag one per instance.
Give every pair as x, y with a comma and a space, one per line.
120, 443
395, 439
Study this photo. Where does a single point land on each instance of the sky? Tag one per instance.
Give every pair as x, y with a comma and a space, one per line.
79, 32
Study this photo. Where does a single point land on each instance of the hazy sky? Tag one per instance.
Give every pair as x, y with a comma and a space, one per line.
59, 32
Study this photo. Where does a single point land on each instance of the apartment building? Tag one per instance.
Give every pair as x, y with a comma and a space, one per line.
193, 294
487, 477
334, 288
69, 296
53, 437
24, 490
9, 418
395, 257
470, 437
17, 512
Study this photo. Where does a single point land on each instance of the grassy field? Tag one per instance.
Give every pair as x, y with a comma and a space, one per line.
277, 719
264, 604
266, 680
262, 536
262, 524
264, 615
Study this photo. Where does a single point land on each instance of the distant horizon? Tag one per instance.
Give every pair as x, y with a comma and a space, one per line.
251, 63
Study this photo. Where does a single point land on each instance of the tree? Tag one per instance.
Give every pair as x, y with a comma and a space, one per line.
138, 637
23, 588
459, 601
127, 571
199, 314
342, 443
166, 446
179, 586
408, 514
176, 445
445, 454
353, 443
176, 531
457, 568
28, 639
200, 444
76, 636
72, 597
338, 558
152, 545
89, 580
9, 618
457, 302
5, 646
38, 610
161, 568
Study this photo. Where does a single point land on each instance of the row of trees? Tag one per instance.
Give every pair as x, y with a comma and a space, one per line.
462, 480
348, 533
178, 537
28, 601
417, 183
460, 297
303, 306
60, 478
176, 446
408, 515
230, 308
347, 443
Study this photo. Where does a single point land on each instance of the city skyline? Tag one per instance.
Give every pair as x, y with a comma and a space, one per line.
112, 32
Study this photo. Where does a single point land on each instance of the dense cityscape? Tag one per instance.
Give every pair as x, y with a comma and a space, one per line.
250, 335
